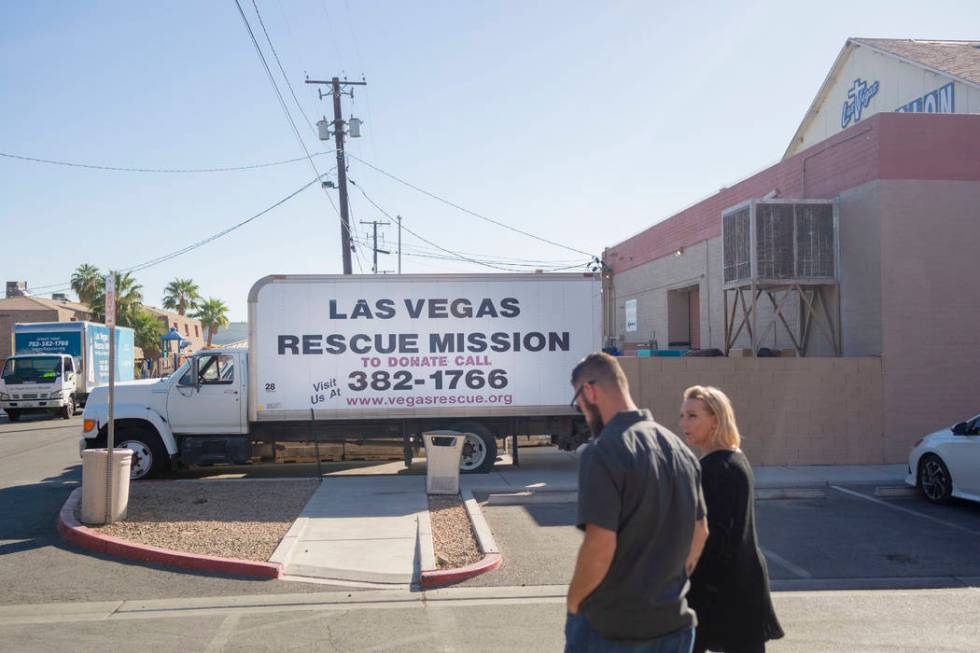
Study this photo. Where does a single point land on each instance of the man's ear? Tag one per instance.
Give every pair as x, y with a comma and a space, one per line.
591, 391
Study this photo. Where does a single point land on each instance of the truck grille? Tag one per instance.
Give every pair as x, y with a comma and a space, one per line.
34, 396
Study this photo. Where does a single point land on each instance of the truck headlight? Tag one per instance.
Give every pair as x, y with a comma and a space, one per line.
55, 395
4, 396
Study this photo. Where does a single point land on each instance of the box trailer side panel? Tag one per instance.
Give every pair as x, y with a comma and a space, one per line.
86, 342
416, 346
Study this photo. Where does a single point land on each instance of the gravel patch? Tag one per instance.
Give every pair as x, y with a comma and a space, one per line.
244, 520
452, 533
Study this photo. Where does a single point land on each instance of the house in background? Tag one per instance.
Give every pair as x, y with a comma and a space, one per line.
186, 326
24, 308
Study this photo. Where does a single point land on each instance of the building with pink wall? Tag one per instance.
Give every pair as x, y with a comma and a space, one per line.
907, 191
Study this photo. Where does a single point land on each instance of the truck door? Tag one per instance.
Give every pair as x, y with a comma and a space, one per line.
215, 406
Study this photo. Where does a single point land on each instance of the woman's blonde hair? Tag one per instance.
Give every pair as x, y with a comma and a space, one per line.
718, 404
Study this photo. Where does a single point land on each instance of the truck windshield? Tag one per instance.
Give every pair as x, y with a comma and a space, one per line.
32, 369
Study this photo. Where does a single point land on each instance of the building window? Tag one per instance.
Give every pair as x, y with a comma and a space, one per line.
187, 330
196, 334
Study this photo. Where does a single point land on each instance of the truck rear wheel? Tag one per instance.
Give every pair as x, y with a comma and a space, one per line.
479, 448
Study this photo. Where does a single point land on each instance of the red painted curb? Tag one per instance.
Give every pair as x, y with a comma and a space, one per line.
79, 535
429, 579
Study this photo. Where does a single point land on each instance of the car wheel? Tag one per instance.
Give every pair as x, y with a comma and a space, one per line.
479, 448
68, 410
934, 479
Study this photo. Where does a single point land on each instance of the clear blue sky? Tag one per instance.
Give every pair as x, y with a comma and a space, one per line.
583, 122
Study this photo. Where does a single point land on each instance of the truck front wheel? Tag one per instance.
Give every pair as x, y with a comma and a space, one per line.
13, 415
479, 448
68, 410
150, 458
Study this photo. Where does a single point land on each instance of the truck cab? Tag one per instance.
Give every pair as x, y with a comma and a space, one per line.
197, 415
38, 383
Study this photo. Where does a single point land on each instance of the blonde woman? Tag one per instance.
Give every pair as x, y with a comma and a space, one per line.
730, 585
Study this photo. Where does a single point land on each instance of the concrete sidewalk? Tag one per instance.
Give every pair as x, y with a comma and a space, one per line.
373, 525
546, 468
365, 528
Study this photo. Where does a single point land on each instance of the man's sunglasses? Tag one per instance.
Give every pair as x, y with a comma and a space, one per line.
574, 402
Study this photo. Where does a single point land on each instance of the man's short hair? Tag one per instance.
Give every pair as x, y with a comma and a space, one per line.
600, 368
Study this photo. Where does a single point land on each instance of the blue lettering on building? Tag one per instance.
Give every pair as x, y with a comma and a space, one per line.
858, 98
942, 100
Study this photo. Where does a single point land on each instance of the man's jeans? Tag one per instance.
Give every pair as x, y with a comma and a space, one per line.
580, 638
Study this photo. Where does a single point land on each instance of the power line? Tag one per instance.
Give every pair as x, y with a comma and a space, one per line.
426, 240
546, 262
469, 212
282, 103
275, 86
518, 265
285, 77
184, 250
93, 166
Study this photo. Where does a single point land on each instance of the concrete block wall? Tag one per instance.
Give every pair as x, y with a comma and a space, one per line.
8, 319
930, 305
790, 411
700, 265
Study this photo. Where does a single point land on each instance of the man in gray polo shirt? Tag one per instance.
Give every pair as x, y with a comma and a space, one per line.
642, 510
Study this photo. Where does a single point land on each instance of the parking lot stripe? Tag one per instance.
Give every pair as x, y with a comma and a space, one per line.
905, 510
786, 564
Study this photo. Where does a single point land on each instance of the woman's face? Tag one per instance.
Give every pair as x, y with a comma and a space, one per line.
697, 423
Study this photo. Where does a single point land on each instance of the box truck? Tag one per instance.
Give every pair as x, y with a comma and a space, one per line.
370, 358
56, 365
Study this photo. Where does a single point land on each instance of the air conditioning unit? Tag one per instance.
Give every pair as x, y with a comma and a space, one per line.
780, 242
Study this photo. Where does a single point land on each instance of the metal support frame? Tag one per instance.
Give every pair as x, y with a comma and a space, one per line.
813, 311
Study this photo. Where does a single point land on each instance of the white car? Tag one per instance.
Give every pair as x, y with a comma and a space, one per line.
946, 463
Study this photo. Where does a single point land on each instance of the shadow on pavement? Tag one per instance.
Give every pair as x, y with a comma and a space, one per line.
28, 513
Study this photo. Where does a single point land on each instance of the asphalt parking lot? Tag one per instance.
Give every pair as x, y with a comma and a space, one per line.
849, 540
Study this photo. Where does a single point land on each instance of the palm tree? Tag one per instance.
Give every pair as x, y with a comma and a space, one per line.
129, 299
213, 315
180, 295
85, 282
148, 330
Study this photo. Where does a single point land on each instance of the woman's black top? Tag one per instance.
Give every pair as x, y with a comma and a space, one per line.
730, 586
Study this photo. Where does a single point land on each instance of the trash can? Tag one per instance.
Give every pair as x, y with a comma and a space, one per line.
94, 484
442, 452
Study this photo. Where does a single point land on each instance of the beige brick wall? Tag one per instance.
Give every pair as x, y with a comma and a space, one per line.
699, 265
9, 318
930, 243
790, 411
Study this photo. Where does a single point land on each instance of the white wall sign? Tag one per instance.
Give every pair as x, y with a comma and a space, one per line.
631, 322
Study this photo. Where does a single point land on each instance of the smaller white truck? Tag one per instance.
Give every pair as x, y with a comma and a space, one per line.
38, 383
56, 365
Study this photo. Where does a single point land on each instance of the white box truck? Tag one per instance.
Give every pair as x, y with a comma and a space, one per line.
56, 365
336, 358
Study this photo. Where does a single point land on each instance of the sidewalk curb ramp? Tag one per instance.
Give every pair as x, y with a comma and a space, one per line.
87, 538
484, 539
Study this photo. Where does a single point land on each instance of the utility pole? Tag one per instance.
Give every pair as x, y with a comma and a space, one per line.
399, 244
375, 224
336, 90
